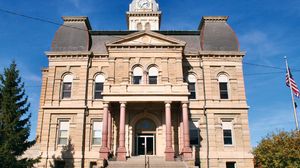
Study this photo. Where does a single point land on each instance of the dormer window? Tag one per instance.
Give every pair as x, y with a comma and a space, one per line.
137, 75
153, 73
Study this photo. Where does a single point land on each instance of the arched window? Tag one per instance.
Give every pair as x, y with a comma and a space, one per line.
145, 125
139, 26
147, 26
67, 86
137, 75
99, 81
153, 73
192, 86
223, 86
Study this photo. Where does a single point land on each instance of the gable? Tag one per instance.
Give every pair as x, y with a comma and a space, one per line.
146, 39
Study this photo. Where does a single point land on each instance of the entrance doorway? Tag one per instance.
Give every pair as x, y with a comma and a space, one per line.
145, 131
145, 144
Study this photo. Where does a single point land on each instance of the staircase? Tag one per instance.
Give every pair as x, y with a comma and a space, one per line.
154, 162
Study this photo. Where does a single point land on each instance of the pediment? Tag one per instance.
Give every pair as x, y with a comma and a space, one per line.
146, 38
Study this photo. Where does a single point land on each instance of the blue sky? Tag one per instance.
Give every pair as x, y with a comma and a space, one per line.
267, 31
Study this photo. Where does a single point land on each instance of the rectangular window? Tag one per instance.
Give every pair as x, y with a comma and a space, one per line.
66, 93
93, 164
227, 137
223, 90
59, 164
227, 133
63, 132
98, 91
230, 164
194, 133
192, 90
152, 79
97, 133
137, 79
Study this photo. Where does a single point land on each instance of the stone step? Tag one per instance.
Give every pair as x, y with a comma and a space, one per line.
139, 161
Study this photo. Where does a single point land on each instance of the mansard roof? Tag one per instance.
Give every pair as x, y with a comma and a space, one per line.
217, 35
73, 35
214, 34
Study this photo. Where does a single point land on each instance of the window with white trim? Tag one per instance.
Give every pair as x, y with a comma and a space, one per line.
192, 86
63, 132
230, 164
67, 86
137, 75
223, 86
153, 73
98, 88
227, 132
194, 133
97, 133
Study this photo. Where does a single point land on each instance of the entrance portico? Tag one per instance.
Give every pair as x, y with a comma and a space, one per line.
154, 125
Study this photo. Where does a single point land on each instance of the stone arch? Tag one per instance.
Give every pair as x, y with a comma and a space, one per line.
135, 121
146, 115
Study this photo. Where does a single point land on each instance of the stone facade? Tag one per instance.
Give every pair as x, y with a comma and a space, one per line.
180, 92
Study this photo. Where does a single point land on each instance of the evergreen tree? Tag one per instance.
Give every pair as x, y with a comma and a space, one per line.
14, 120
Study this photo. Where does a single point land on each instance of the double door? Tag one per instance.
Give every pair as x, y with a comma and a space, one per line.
145, 144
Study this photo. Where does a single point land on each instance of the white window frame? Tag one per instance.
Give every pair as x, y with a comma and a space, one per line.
60, 129
196, 125
99, 124
223, 78
137, 72
68, 79
192, 80
153, 72
100, 79
228, 125
231, 162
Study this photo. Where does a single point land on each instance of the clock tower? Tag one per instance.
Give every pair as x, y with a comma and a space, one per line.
143, 15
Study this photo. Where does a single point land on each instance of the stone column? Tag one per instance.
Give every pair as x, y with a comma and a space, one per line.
104, 149
121, 152
187, 151
109, 131
169, 152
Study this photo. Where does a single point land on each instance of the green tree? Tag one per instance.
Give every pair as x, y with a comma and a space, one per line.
14, 120
278, 150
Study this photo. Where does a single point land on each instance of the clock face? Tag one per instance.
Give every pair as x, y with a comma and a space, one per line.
144, 4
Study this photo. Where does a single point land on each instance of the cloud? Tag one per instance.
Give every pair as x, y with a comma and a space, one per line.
267, 120
32, 78
75, 3
260, 45
81, 7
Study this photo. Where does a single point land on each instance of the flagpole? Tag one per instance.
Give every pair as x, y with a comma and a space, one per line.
292, 94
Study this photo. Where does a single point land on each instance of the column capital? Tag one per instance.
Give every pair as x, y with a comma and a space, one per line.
184, 104
168, 102
123, 104
105, 104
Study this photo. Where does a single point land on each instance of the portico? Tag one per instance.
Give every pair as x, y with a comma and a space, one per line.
146, 123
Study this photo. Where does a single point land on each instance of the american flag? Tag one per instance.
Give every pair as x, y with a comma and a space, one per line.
289, 78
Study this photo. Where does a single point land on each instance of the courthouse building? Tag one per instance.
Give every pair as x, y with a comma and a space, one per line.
115, 95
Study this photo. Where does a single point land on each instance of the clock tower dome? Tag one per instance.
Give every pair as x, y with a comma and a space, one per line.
143, 15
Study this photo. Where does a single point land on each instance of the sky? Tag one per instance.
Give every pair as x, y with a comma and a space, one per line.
267, 30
